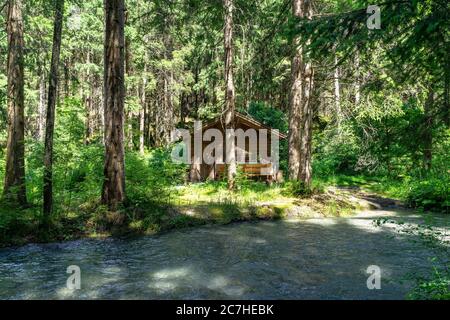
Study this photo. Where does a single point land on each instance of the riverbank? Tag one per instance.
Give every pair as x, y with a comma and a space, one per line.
188, 206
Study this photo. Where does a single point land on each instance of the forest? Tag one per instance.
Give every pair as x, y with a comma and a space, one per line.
91, 91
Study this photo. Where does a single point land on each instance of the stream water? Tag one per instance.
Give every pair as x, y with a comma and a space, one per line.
294, 259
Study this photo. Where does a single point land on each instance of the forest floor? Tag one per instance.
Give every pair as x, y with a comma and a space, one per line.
200, 204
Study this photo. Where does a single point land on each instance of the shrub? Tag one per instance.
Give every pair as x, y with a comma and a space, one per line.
335, 153
150, 177
429, 194
297, 189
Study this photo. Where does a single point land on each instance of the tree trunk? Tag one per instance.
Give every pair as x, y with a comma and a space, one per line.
113, 193
295, 115
295, 100
229, 94
300, 114
14, 187
130, 144
428, 131
66, 78
358, 79
88, 103
142, 111
337, 94
42, 103
50, 121
305, 173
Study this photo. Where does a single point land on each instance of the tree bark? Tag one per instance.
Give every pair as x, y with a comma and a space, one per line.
14, 186
358, 79
142, 111
42, 104
300, 113
66, 78
51, 106
295, 100
230, 95
428, 131
113, 193
130, 144
337, 94
305, 173
88, 103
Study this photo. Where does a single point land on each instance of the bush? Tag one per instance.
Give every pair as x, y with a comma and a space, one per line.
297, 189
14, 224
150, 177
429, 194
335, 153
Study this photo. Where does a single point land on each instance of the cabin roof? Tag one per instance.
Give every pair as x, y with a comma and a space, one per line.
247, 120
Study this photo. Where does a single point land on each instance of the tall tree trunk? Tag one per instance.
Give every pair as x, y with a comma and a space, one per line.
229, 94
88, 103
50, 121
305, 173
130, 144
42, 103
300, 114
167, 107
337, 94
167, 115
428, 131
295, 100
66, 78
142, 111
14, 187
358, 78
113, 193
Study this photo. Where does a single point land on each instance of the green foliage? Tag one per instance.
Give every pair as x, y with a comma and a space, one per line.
177, 48
431, 193
14, 225
276, 119
434, 287
268, 115
297, 188
150, 178
336, 153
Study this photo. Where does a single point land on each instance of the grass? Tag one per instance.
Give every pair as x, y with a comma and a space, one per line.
159, 200
183, 206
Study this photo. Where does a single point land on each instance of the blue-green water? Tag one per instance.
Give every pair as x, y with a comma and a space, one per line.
309, 259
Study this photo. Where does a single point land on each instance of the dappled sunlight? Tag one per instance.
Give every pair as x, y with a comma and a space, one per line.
323, 222
173, 280
364, 225
168, 280
296, 258
171, 273
65, 293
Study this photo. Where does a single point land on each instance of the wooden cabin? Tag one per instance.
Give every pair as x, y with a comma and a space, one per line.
253, 169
